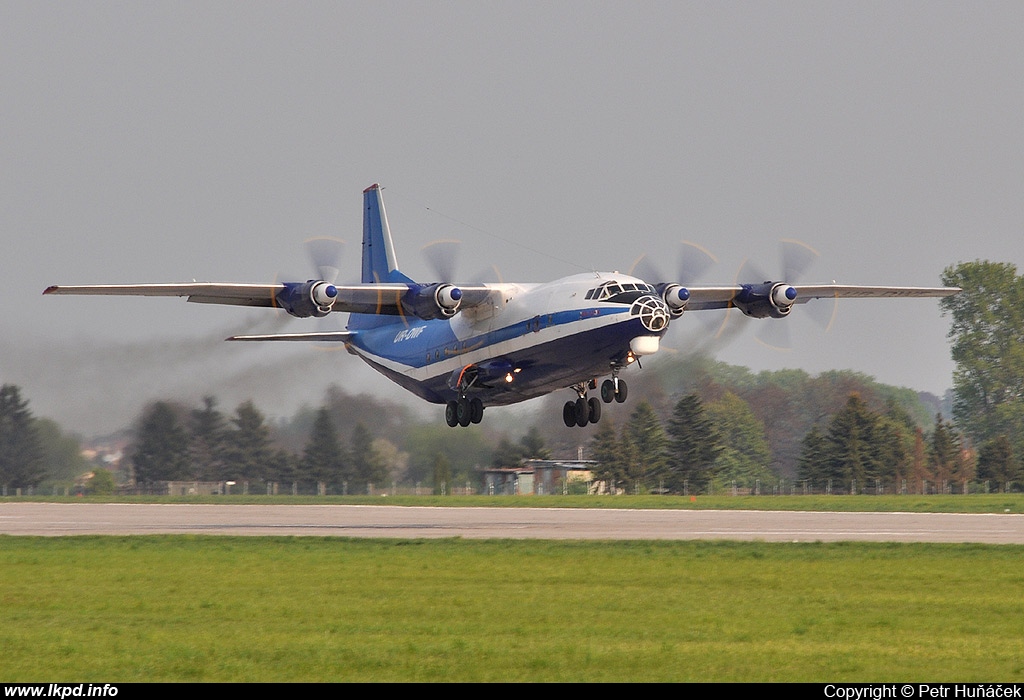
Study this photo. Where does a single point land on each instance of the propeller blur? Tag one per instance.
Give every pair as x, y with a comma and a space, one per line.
473, 346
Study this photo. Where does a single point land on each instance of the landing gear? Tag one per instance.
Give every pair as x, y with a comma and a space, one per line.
582, 411
463, 412
614, 389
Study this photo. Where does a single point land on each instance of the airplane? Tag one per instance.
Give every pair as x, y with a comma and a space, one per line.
469, 347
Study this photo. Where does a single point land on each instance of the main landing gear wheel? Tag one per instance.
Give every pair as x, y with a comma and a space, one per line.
580, 412
463, 412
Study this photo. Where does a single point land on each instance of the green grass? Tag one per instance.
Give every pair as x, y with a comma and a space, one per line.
974, 503
182, 608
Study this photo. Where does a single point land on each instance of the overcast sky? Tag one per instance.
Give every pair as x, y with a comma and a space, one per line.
171, 141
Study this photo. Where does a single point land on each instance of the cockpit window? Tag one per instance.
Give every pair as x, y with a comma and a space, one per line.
609, 289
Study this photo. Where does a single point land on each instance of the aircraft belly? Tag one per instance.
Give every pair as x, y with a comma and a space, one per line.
550, 358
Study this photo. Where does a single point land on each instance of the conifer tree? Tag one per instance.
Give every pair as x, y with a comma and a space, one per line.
693, 446
608, 452
248, 455
367, 467
324, 459
644, 444
21, 454
207, 443
159, 451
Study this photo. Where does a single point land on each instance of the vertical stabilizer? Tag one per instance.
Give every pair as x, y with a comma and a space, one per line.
379, 264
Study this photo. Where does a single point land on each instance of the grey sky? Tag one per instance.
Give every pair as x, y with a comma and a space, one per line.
174, 141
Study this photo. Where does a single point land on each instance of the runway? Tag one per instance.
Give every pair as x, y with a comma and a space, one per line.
60, 519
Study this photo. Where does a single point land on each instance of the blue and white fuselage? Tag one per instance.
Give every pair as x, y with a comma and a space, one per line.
529, 340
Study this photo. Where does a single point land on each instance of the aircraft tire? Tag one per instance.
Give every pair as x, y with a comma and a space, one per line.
569, 414
623, 391
462, 410
582, 411
595, 409
451, 415
476, 410
607, 390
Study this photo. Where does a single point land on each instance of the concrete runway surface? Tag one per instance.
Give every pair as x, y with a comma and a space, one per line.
55, 519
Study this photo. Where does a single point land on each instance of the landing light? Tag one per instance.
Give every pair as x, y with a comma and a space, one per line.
509, 377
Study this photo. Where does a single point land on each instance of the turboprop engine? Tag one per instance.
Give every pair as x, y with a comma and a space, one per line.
432, 301
774, 299
305, 299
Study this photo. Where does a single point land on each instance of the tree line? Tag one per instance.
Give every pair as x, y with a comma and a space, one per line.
203, 444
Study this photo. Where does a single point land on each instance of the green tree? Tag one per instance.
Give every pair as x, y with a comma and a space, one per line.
159, 451
987, 331
533, 446
367, 465
997, 462
745, 455
813, 458
207, 441
21, 454
62, 453
944, 452
851, 455
608, 452
442, 475
644, 444
101, 484
693, 447
249, 455
507, 454
323, 460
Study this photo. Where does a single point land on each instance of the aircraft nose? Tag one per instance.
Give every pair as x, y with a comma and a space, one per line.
653, 312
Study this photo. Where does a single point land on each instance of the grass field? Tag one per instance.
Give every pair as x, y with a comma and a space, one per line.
183, 608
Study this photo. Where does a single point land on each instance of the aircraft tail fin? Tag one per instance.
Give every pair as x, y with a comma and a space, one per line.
379, 263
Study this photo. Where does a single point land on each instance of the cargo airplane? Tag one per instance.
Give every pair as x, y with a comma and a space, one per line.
473, 346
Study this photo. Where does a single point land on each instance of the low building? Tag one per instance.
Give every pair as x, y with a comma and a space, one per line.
538, 477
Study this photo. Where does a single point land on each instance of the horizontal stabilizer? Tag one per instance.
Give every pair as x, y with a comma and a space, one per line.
326, 337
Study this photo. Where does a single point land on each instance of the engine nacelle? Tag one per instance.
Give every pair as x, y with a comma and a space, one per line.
766, 300
675, 297
305, 299
432, 301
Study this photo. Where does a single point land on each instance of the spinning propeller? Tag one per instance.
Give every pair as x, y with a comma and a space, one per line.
795, 257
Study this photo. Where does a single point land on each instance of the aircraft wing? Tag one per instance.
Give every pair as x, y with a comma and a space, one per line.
202, 292
702, 298
384, 298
